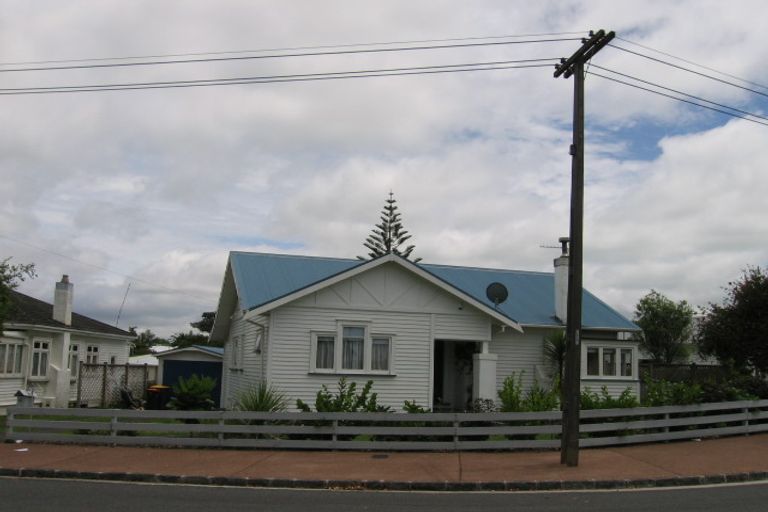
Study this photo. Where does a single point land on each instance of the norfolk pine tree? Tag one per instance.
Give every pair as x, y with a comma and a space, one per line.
388, 235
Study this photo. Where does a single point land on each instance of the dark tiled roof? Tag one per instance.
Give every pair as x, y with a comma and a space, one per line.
29, 310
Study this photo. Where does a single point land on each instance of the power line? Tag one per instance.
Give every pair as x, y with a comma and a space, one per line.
293, 48
133, 278
728, 113
386, 72
286, 55
683, 68
698, 98
660, 52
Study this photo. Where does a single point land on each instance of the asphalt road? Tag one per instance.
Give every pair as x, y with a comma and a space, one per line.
29, 494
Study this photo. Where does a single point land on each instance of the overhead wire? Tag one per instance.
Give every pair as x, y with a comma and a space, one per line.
683, 68
687, 61
152, 285
304, 77
726, 112
698, 98
293, 48
285, 55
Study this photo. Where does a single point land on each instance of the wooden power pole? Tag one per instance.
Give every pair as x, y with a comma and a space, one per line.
569, 443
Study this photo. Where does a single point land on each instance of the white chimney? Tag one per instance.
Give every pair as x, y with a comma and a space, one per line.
561, 282
62, 301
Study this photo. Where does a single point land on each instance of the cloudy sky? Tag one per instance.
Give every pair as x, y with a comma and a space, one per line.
155, 187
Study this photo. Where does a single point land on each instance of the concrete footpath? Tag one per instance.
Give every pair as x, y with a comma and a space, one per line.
735, 459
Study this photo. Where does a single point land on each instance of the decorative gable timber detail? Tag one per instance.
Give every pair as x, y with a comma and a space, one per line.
384, 290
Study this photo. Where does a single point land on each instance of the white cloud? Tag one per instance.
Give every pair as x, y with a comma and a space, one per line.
159, 185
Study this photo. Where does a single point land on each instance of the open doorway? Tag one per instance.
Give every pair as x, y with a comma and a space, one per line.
453, 375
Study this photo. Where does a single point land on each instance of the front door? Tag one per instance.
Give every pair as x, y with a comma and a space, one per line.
453, 376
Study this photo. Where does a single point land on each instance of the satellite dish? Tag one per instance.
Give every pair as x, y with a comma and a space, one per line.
496, 293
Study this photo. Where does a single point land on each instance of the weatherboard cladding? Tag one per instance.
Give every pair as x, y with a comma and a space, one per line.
262, 278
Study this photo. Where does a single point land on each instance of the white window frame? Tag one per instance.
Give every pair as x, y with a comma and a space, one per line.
10, 353
601, 374
40, 348
73, 360
92, 354
236, 357
338, 355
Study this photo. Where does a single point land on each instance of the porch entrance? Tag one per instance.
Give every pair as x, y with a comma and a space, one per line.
453, 375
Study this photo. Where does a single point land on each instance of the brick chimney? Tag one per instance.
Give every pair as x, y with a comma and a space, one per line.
62, 301
561, 282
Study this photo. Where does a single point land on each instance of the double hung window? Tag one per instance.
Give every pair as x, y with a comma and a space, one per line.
40, 351
351, 349
92, 354
11, 357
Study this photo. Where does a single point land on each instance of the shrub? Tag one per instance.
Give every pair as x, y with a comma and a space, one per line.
345, 400
413, 408
193, 394
262, 397
604, 400
483, 405
511, 394
663, 392
541, 399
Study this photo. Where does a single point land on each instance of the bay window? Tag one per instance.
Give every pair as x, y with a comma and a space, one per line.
608, 361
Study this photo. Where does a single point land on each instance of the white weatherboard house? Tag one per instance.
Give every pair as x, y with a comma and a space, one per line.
42, 344
423, 333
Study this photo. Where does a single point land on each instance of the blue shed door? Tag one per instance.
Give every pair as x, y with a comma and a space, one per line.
172, 370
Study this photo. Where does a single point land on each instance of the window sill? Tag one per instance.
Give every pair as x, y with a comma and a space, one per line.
38, 379
609, 378
11, 376
352, 373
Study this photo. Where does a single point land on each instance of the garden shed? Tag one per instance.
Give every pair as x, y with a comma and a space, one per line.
187, 361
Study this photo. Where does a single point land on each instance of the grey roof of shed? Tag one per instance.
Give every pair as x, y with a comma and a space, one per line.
263, 278
28, 310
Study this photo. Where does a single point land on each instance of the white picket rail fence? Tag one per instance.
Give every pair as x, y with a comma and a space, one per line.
382, 431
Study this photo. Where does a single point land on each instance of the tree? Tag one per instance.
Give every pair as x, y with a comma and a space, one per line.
736, 331
186, 339
144, 341
666, 325
10, 277
205, 324
555, 346
389, 235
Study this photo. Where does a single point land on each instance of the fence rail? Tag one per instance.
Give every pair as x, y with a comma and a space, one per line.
382, 431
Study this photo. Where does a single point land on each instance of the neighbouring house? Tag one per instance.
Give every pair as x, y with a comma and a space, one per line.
201, 360
42, 345
423, 333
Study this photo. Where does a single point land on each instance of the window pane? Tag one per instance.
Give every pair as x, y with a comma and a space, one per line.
626, 362
2, 356
609, 361
380, 354
352, 355
324, 357
43, 364
19, 353
354, 332
593, 361
35, 364
9, 361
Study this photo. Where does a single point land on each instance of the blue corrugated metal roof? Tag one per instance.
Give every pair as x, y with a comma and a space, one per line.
262, 278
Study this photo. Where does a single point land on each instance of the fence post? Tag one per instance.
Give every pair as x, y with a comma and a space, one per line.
745, 423
79, 383
113, 427
104, 387
455, 431
334, 436
146, 378
666, 417
9, 423
221, 429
